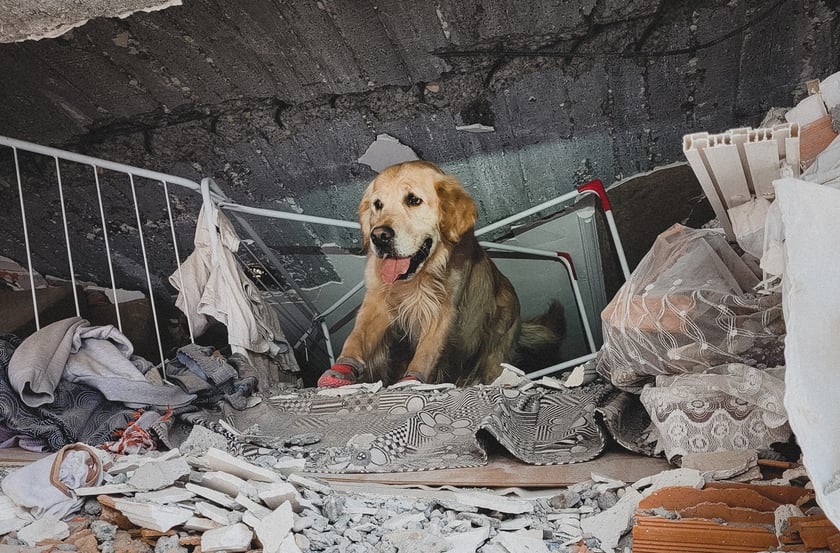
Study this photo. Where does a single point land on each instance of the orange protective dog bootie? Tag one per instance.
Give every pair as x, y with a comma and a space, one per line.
345, 371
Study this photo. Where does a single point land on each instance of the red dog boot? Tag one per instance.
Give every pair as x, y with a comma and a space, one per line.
413, 376
346, 370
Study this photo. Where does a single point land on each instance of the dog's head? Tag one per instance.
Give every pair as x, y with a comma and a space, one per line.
409, 212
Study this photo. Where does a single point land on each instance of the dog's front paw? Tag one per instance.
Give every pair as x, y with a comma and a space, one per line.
345, 371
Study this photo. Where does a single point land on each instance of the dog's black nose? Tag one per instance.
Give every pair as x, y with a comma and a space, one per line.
382, 236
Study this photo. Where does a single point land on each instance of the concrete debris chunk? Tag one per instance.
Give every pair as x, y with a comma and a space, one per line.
217, 514
158, 475
400, 522
721, 465
689, 478
46, 528
216, 459
782, 515
200, 440
130, 463
172, 494
290, 545
516, 542
236, 537
518, 523
105, 489
275, 528
468, 541
289, 465
316, 486
416, 541
201, 524
275, 494
219, 498
226, 483
493, 502
608, 526
155, 517
259, 511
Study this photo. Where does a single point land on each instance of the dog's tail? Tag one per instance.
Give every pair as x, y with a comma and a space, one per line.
540, 338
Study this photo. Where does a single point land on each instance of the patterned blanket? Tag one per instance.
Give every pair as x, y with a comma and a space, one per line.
407, 429
78, 412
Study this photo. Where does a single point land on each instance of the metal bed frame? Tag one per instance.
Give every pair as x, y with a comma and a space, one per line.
211, 193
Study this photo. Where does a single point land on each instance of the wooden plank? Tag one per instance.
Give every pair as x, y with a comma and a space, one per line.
16, 457
505, 472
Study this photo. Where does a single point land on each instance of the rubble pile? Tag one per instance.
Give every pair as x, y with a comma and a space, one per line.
206, 500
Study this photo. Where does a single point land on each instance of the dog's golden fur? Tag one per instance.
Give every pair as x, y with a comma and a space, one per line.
448, 314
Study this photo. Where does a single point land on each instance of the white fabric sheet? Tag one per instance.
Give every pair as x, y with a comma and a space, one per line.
810, 216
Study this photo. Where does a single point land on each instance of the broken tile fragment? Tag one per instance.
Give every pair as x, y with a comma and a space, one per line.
275, 528
276, 493
226, 483
670, 478
160, 474
516, 542
495, 502
288, 465
172, 494
155, 517
469, 541
608, 526
721, 465
259, 511
201, 524
45, 528
216, 459
219, 498
220, 515
782, 516
317, 486
236, 537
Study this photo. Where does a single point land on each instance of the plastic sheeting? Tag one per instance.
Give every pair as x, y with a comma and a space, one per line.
811, 291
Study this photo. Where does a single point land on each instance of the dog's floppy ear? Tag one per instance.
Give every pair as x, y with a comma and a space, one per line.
458, 213
364, 217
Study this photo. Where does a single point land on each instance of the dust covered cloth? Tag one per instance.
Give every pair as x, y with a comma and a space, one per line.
77, 413
98, 356
411, 429
212, 286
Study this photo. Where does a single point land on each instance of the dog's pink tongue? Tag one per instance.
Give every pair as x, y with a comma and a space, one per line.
393, 267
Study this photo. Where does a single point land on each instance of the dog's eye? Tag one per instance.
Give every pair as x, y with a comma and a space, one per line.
377, 205
413, 200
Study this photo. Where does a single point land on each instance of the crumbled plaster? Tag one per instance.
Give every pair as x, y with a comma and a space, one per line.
25, 20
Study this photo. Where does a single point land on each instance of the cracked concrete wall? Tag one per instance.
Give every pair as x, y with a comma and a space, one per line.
277, 100
26, 20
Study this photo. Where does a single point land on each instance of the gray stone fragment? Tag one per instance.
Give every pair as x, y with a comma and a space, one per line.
92, 507
565, 500
607, 499
721, 465
169, 544
103, 531
333, 507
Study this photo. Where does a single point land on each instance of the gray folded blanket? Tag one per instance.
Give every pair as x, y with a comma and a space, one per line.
98, 356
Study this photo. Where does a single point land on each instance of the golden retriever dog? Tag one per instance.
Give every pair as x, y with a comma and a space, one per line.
436, 308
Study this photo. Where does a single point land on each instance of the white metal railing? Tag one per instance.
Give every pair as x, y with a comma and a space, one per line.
211, 193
